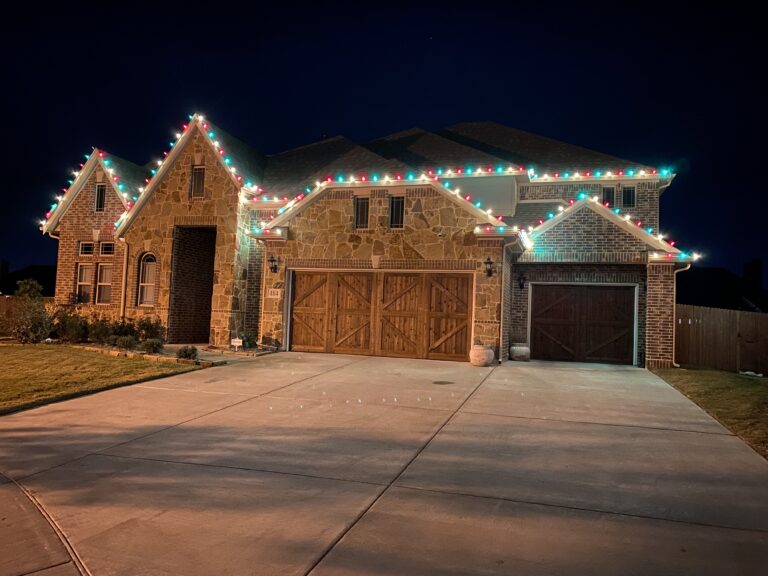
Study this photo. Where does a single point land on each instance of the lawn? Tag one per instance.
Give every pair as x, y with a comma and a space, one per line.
740, 403
31, 375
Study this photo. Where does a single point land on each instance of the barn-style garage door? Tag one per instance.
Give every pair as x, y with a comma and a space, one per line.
583, 323
415, 315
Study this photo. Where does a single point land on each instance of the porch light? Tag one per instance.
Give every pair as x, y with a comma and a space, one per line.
521, 281
488, 267
274, 264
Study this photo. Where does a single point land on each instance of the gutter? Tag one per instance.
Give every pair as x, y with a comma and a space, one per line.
674, 312
124, 281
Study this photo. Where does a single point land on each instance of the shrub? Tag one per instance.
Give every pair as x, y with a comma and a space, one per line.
29, 288
151, 345
71, 327
187, 352
99, 331
112, 340
250, 340
150, 328
123, 328
30, 322
126, 342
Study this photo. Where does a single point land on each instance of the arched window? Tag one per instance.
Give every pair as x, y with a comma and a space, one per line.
147, 280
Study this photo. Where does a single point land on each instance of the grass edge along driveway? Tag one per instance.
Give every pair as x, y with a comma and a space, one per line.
36, 374
740, 403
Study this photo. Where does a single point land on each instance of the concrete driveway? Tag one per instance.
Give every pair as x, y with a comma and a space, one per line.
329, 465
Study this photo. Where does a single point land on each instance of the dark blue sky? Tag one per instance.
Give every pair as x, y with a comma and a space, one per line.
657, 84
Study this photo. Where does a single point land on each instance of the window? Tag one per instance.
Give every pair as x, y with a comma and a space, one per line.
609, 196
396, 211
147, 280
86, 248
361, 212
84, 283
104, 284
628, 197
197, 182
101, 197
107, 248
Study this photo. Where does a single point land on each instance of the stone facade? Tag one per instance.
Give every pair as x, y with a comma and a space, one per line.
170, 206
437, 235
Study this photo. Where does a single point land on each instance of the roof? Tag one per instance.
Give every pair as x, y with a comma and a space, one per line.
425, 150
533, 213
289, 173
531, 150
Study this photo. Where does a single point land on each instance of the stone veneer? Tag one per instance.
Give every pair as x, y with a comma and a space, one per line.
437, 235
152, 230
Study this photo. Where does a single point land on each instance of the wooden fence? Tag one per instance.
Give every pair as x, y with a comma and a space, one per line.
723, 339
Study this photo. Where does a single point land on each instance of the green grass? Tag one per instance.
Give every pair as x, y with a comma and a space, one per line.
740, 403
31, 375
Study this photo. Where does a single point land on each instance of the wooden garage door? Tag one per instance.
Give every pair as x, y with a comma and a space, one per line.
412, 315
583, 323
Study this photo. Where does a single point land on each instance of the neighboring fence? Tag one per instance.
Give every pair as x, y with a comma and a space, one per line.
723, 339
7, 305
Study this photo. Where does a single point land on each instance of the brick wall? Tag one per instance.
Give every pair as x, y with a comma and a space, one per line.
586, 231
574, 273
189, 317
661, 315
81, 223
646, 207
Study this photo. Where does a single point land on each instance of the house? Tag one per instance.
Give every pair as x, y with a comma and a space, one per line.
414, 245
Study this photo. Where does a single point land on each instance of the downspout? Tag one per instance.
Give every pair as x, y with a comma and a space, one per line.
124, 282
674, 313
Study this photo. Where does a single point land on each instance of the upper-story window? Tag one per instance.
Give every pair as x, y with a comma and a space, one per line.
84, 283
86, 248
107, 248
396, 211
147, 280
361, 211
197, 182
628, 197
101, 197
609, 195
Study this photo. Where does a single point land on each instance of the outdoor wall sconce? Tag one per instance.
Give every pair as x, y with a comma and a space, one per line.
488, 267
520, 281
274, 264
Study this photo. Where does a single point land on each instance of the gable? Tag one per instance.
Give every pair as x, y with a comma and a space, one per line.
100, 168
588, 226
169, 197
235, 162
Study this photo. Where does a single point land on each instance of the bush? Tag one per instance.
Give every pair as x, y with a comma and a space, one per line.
126, 342
187, 352
122, 329
151, 345
250, 340
99, 331
112, 340
149, 328
71, 327
30, 322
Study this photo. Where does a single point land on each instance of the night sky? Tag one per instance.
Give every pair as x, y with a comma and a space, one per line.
655, 84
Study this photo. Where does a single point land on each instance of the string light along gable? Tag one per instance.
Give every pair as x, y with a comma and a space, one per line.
97, 158
441, 178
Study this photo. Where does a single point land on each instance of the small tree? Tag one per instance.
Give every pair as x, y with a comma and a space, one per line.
30, 322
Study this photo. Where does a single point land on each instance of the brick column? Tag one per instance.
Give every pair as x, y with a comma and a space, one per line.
660, 319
